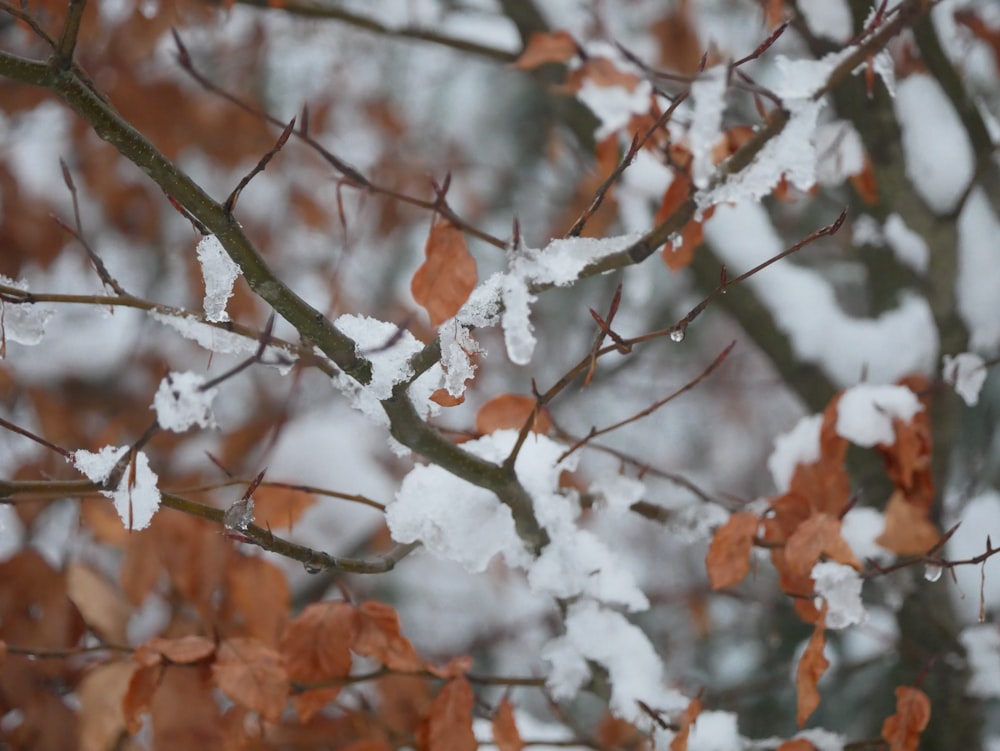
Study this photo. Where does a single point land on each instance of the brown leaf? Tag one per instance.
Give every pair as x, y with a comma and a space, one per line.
279, 508
908, 531
185, 712
686, 720
505, 733
865, 184
182, 651
774, 10
550, 47
679, 43
913, 711
316, 647
252, 674
100, 693
380, 638
138, 697
447, 276
817, 536
102, 606
448, 725
257, 600
796, 744
812, 665
728, 559
510, 412
445, 399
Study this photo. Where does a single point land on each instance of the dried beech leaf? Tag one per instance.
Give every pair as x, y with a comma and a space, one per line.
252, 674
182, 651
796, 744
138, 696
550, 47
817, 536
448, 725
279, 508
728, 559
100, 694
316, 646
686, 720
510, 412
447, 276
908, 531
445, 399
913, 711
380, 638
865, 184
258, 600
505, 732
812, 665
102, 606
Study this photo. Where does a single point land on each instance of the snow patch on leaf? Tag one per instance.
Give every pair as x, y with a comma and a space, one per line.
865, 413
220, 273
840, 586
967, 373
181, 402
800, 445
136, 497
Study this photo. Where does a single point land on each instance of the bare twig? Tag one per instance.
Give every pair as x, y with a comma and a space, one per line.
230, 203
339, 14
594, 432
351, 175
99, 267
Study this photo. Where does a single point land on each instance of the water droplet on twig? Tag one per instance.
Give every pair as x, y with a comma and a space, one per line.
932, 572
677, 335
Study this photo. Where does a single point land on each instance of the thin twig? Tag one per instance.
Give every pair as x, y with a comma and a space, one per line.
594, 432
99, 267
230, 203
351, 175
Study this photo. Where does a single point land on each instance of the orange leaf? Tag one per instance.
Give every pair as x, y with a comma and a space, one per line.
316, 646
444, 281
448, 725
379, 637
775, 12
252, 674
728, 559
908, 531
913, 711
811, 668
182, 651
686, 720
796, 744
505, 733
139, 695
510, 412
542, 48
279, 508
865, 184
445, 399
819, 535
